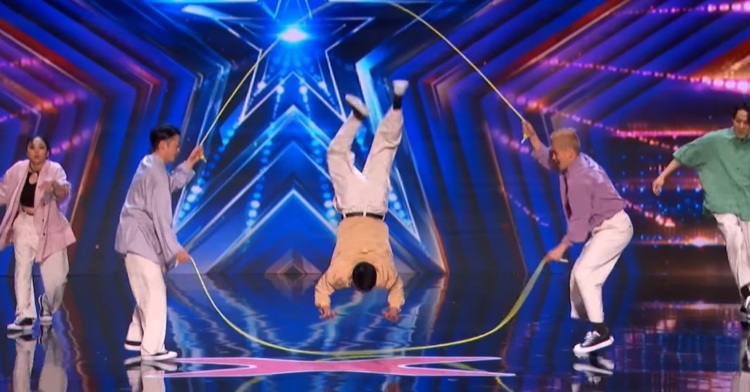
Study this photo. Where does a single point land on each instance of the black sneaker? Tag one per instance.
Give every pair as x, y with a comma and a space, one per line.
44, 334
744, 317
45, 317
593, 342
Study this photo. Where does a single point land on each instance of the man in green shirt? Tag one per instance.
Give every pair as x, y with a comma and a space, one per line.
722, 159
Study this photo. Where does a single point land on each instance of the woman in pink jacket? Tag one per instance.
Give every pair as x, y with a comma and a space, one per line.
32, 190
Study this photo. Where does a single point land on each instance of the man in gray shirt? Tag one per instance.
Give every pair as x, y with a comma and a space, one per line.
146, 237
591, 205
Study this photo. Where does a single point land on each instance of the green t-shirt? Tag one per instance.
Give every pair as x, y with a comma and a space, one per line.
723, 164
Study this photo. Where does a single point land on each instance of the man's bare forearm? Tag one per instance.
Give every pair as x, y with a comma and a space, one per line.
674, 165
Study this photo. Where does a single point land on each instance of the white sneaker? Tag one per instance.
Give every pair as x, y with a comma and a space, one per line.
162, 356
21, 324
158, 367
18, 334
399, 87
135, 363
357, 105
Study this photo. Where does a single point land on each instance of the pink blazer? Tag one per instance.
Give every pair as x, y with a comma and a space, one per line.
55, 233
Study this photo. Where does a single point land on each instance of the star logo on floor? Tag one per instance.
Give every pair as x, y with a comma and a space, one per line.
397, 366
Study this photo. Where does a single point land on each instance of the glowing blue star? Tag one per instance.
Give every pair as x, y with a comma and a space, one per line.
262, 23
293, 35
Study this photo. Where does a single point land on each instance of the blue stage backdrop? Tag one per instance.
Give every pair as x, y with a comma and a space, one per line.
637, 79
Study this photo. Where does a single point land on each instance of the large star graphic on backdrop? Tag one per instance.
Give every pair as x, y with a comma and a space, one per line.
398, 366
303, 51
294, 157
281, 164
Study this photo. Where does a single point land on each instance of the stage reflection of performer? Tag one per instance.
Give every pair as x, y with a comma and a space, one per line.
53, 376
32, 190
24, 363
148, 377
146, 237
592, 207
363, 256
741, 379
722, 159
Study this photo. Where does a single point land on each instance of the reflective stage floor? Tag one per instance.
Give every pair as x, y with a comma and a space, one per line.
670, 335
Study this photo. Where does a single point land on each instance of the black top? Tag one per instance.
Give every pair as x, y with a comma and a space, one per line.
28, 192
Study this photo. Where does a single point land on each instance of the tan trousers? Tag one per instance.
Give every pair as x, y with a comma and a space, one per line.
54, 270
149, 322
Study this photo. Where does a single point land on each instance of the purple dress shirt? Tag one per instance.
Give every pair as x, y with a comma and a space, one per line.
587, 194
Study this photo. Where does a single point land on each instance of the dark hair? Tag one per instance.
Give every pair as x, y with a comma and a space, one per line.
31, 140
364, 276
161, 133
737, 108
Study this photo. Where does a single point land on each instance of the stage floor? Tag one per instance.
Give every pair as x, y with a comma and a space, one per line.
670, 334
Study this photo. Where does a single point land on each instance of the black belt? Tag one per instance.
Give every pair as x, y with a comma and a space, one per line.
367, 214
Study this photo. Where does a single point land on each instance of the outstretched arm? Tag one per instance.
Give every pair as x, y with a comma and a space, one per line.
323, 290
540, 152
184, 172
180, 176
694, 154
396, 295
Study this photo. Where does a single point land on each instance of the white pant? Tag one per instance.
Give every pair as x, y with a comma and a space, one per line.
53, 376
54, 270
737, 236
591, 269
142, 379
740, 382
23, 365
149, 322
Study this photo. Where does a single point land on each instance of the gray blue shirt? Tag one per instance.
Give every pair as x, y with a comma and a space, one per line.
145, 227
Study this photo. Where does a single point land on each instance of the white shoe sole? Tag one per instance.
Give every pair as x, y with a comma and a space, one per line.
584, 351
357, 105
20, 328
584, 367
18, 334
399, 87
159, 357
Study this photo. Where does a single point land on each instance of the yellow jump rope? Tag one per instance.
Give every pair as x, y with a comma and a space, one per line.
369, 353
366, 353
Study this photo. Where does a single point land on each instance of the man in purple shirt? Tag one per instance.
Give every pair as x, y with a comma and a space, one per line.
591, 206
